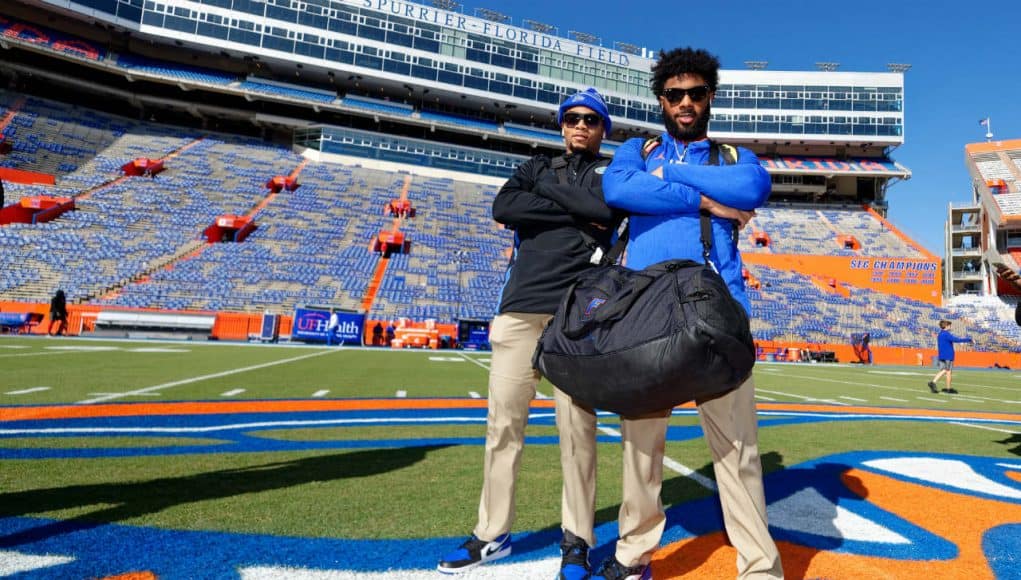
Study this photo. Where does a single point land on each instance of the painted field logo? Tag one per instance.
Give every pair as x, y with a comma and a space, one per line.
593, 305
859, 514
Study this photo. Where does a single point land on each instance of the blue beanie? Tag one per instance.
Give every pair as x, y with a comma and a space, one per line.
587, 98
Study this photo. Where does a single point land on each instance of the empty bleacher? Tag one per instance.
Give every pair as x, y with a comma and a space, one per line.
135, 242
817, 232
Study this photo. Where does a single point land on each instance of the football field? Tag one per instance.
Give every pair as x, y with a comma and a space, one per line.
216, 460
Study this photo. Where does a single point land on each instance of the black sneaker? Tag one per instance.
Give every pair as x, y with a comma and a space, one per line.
950, 391
932, 387
574, 563
474, 552
614, 570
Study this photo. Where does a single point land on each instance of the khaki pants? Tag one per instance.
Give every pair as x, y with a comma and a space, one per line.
730, 425
731, 430
512, 383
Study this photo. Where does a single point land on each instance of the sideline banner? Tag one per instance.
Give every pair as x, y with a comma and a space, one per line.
310, 325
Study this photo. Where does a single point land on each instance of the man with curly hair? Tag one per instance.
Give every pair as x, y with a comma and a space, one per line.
665, 185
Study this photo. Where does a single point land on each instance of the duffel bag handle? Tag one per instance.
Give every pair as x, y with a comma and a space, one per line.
619, 304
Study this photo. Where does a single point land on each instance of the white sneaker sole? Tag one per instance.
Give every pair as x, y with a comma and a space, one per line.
494, 556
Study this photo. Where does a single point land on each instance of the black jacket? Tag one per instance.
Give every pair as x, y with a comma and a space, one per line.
546, 216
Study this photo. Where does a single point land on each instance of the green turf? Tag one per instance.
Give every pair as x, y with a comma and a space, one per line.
379, 493
344, 493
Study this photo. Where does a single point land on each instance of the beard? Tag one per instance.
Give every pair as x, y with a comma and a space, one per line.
698, 130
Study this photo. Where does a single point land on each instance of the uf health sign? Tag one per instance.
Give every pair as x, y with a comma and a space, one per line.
312, 326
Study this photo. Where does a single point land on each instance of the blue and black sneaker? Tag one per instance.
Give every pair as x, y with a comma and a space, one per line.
614, 570
474, 552
574, 562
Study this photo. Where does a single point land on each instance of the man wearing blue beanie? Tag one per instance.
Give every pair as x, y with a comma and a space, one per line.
556, 209
590, 99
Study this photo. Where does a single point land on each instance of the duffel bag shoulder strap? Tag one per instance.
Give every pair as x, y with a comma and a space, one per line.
729, 155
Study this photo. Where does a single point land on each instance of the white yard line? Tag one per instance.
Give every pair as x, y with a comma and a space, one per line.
118, 394
671, 464
27, 391
473, 361
474, 395
689, 473
538, 395
322, 393
31, 354
148, 390
401, 394
894, 399
232, 393
802, 397
853, 399
957, 382
986, 428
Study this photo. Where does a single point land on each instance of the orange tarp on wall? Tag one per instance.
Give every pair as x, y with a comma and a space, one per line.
916, 278
22, 176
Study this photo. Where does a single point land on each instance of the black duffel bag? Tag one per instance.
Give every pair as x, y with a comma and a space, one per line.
635, 342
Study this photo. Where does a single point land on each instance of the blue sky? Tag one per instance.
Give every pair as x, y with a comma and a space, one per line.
962, 69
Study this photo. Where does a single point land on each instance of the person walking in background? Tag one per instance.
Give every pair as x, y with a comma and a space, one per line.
331, 327
865, 348
665, 184
58, 313
556, 209
945, 356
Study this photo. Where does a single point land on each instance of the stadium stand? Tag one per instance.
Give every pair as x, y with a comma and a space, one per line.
137, 242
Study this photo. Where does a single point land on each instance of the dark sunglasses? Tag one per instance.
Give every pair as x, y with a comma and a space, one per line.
591, 119
676, 95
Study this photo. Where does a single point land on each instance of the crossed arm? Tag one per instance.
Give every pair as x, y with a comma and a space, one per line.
524, 200
727, 191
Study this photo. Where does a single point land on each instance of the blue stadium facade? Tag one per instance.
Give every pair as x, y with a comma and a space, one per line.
405, 50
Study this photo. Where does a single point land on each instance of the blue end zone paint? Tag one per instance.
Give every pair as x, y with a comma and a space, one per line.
239, 433
114, 549
1002, 546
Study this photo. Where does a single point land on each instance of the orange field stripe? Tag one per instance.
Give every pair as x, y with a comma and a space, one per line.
133, 576
889, 411
215, 407
218, 407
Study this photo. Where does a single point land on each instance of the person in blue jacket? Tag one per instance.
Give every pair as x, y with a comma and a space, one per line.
945, 356
663, 186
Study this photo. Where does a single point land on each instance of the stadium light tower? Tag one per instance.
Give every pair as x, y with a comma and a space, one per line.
492, 15
756, 64
540, 27
827, 66
627, 47
586, 37
898, 67
447, 5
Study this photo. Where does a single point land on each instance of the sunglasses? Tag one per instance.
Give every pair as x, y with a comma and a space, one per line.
591, 119
676, 94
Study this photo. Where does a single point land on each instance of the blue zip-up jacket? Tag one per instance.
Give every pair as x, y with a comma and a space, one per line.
664, 218
945, 343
